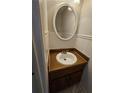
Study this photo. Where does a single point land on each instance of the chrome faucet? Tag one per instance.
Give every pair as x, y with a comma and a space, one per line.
64, 51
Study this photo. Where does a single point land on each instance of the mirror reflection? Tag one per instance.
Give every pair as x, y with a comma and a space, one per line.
65, 22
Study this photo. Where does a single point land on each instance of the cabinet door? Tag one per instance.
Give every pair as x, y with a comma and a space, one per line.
75, 77
59, 84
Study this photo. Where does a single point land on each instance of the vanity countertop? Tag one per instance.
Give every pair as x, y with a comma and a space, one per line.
54, 65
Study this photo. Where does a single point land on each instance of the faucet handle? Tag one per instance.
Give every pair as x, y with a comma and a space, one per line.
65, 51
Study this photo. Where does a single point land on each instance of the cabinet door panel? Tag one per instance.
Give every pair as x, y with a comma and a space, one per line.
75, 77
60, 73
59, 84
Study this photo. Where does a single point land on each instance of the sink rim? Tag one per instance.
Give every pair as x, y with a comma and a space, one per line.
67, 53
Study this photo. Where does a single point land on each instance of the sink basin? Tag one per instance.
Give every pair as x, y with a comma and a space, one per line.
67, 58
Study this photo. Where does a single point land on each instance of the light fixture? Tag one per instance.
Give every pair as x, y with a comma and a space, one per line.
77, 1
69, 9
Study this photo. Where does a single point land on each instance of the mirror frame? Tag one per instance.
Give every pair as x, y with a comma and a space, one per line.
54, 20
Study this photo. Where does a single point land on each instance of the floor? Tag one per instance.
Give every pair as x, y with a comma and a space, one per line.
78, 88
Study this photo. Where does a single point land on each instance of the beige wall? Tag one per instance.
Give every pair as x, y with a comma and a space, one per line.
84, 27
84, 31
84, 44
55, 42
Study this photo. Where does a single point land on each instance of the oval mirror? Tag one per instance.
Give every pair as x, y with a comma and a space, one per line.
65, 22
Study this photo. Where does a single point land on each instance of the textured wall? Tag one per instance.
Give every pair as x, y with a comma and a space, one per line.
85, 44
54, 40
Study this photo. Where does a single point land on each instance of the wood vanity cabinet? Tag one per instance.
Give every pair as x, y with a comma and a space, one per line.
63, 78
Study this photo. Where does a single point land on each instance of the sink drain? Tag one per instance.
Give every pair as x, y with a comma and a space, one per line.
65, 59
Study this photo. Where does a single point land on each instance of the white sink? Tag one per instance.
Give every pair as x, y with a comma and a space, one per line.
66, 58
